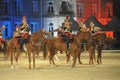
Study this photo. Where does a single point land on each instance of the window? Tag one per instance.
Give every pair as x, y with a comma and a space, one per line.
93, 9
50, 7
6, 8
17, 7
65, 8
80, 9
109, 9
33, 27
6, 32
34, 7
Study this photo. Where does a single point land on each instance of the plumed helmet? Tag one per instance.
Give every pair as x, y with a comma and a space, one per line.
17, 27
3, 27
67, 17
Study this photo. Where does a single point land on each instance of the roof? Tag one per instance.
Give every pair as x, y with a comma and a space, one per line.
74, 25
95, 21
114, 24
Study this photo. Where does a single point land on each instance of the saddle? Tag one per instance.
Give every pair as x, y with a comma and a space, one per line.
25, 35
23, 38
62, 39
68, 34
1, 39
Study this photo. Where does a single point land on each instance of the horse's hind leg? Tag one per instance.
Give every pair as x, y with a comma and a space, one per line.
50, 59
90, 58
79, 54
99, 56
33, 60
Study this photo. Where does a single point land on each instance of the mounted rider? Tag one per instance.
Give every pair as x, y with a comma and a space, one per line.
82, 27
24, 32
1, 38
92, 27
67, 31
24, 27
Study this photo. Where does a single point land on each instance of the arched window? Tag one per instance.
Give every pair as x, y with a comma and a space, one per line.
65, 8
6, 8
17, 7
93, 9
50, 8
80, 9
34, 8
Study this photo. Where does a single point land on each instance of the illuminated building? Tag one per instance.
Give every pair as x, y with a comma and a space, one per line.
55, 11
51, 13
11, 12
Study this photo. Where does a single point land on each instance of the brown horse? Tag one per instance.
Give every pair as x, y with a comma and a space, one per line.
32, 47
3, 47
100, 39
54, 44
90, 45
13, 50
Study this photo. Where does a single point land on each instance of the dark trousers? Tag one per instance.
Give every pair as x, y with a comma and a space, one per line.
67, 40
21, 42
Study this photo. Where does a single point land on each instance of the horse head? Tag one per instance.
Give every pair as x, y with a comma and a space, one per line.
86, 36
38, 36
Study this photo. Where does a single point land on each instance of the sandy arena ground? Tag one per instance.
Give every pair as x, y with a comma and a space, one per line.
109, 70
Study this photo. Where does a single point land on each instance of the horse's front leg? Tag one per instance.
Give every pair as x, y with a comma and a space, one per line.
17, 56
29, 57
74, 60
11, 59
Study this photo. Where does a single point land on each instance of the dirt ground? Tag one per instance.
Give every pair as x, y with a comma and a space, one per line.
109, 70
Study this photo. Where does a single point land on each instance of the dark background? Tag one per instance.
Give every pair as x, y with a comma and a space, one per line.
116, 12
116, 8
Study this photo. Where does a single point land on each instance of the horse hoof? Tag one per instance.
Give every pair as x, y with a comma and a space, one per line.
12, 67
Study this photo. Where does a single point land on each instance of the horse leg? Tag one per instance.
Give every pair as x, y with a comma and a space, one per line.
67, 57
74, 60
11, 59
50, 58
99, 56
79, 54
90, 57
33, 60
93, 56
17, 56
29, 57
